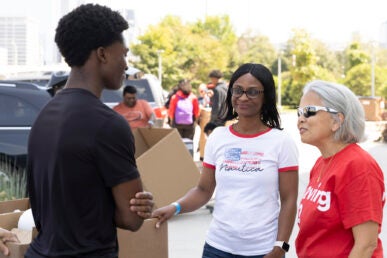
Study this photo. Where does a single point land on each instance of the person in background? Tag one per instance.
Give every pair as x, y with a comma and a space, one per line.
204, 98
137, 112
82, 176
340, 214
184, 110
170, 94
218, 98
209, 128
254, 166
7, 237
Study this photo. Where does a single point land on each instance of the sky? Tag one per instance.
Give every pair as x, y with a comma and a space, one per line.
332, 21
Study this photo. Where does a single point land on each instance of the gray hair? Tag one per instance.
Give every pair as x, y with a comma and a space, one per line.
342, 99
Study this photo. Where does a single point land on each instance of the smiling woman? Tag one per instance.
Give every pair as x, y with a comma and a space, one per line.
346, 186
253, 164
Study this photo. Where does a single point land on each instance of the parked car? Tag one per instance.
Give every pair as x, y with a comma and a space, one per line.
20, 104
148, 88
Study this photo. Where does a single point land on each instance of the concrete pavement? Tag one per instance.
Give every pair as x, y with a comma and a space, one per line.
187, 231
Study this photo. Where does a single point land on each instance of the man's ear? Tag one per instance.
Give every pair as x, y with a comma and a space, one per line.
101, 54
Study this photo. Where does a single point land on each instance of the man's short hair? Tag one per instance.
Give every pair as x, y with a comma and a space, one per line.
87, 28
130, 89
215, 74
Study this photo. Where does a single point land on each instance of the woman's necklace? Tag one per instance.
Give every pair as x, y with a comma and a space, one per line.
324, 169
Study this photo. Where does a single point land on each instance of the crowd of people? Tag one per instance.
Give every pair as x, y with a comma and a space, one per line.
81, 156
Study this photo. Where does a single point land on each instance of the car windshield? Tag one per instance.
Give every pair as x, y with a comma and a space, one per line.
144, 91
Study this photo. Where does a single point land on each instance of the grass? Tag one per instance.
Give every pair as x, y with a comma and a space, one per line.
13, 180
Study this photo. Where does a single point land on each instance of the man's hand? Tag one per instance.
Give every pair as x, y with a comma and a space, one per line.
142, 204
6, 236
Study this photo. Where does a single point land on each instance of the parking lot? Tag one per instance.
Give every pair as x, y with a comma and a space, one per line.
187, 231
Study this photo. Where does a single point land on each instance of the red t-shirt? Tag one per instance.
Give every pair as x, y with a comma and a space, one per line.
350, 192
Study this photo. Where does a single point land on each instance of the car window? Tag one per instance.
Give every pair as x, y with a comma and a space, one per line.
111, 96
143, 89
16, 112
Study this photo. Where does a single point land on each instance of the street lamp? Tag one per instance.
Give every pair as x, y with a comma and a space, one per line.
159, 52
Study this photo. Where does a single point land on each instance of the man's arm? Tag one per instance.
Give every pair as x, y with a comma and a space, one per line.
129, 215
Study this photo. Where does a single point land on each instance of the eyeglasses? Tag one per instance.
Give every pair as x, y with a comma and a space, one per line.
251, 93
312, 110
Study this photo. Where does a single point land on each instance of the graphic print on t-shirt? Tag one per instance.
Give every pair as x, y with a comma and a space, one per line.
238, 160
133, 116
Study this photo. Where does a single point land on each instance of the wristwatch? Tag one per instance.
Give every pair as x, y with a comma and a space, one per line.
283, 245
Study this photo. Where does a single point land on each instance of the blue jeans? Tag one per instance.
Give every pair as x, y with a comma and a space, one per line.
212, 252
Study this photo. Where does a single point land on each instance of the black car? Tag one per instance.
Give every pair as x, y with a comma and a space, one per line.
20, 104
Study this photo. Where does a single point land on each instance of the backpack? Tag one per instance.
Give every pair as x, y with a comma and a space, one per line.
184, 111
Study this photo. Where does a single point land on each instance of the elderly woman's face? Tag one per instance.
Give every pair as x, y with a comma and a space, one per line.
316, 125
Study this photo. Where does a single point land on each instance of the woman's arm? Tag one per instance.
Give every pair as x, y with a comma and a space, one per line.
288, 188
366, 239
193, 199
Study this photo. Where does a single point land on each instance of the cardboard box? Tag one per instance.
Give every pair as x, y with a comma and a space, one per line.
205, 116
11, 206
147, 242
9, 221
167, 168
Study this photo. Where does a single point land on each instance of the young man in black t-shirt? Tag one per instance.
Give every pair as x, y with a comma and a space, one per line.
83, 180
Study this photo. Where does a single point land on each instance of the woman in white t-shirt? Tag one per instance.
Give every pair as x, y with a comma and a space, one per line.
253, 164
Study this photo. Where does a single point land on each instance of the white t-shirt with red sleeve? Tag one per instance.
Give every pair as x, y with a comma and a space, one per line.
245, 217
349, 192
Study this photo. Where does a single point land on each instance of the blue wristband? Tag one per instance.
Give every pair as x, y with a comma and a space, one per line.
177, 206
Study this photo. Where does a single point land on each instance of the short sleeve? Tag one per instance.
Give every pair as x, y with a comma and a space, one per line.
115, 151
288, 156
360, 195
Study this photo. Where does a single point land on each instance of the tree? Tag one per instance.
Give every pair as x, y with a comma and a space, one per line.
189, 50
354, 56
358, 79
256, 49
304, 68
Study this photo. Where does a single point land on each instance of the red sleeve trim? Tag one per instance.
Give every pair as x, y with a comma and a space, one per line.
208, 165
287, 169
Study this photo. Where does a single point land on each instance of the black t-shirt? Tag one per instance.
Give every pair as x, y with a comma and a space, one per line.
78, 150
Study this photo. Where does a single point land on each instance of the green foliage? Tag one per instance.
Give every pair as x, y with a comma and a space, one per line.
189, 51
355, 55
13, 180
256, 49
192, 50
358, 79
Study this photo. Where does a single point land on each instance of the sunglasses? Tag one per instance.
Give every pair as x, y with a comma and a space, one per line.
250, 92
312, 110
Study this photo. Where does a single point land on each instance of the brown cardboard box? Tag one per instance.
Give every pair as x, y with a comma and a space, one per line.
167, 168
205, 116
11, 206
147, 242
9, 221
